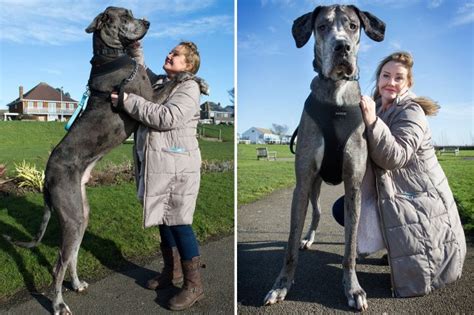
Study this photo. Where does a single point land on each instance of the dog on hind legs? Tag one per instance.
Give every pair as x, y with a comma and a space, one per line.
331, 143
98, 130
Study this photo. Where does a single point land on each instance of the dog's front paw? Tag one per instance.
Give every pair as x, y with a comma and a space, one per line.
358, 300
274, 296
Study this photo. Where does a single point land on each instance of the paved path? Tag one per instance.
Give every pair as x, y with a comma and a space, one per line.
123, 293
263, 229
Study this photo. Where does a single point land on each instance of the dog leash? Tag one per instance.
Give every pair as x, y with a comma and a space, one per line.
80, 108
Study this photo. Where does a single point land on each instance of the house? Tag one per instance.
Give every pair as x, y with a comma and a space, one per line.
285, 139
260, 136
213, 113
43, 103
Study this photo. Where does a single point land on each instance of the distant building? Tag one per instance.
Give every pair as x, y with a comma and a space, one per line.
43, 103
212, 113
260, 136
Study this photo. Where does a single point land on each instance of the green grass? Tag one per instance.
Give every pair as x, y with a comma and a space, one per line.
34, 141
115, 238
460, 172
212, 131
256, 179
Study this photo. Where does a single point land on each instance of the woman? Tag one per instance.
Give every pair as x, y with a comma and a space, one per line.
419, 220
168, 159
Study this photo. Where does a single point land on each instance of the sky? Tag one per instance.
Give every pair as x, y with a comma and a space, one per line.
274, 76
45, 41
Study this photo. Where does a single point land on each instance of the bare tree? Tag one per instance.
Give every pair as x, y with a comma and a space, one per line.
279, 130
231, 96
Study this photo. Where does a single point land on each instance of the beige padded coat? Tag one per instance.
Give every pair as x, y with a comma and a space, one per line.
420, 221
167, 154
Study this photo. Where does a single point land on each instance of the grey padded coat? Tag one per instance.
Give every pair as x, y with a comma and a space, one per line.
420, 221
168, 155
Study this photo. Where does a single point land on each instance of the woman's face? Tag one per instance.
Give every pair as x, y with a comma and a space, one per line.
175, 61
393, 81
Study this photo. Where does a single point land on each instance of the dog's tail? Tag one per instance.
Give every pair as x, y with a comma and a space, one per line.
292, 141
42, 229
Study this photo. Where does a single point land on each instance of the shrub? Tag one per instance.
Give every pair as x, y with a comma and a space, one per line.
28, 176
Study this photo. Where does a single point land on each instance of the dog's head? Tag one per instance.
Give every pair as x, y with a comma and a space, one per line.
336, 31
118, 28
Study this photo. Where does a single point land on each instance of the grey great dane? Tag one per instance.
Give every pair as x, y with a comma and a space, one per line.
98, 130
331, 143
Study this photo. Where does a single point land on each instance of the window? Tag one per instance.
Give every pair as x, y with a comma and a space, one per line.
52, 107
30, 104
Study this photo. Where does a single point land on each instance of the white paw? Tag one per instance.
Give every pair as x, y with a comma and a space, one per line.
81, 287
274, 296
62, 309
358, 301
306, 244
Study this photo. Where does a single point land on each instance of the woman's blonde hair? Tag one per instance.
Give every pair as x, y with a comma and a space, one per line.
429, 106
191, 55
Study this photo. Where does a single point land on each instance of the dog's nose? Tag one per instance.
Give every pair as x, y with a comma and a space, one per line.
146, 23
342, 46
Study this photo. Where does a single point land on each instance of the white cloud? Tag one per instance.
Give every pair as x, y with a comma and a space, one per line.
272, 29
208, 25
433, 4
251, 44
277, 2
365, 47
395, 44
464, 15
56, 22
52, 71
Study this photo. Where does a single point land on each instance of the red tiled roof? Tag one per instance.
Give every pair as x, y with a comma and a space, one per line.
45, 92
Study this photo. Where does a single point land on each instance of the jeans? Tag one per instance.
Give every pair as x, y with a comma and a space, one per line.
181, 236
338, 210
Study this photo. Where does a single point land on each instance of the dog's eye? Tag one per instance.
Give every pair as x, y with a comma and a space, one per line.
322, 28
353, 26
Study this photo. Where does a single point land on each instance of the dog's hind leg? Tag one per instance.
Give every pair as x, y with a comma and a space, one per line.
316, 215
73, 215
70, 241
355, 162
78, 285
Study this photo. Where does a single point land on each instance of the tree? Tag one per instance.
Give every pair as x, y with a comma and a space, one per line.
231, 96
279, 130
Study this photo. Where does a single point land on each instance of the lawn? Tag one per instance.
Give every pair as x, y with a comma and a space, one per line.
33, 141
255, 179
115, 238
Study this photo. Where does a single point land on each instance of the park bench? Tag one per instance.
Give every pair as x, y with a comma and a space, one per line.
454, 150
264, 153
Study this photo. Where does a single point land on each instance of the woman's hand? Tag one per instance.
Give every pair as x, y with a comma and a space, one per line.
114, 98
367, 106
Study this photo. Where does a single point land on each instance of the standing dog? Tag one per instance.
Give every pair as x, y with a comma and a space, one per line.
97, 131
331, 144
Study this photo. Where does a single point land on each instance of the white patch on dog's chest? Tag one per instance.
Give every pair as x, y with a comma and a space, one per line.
340, 94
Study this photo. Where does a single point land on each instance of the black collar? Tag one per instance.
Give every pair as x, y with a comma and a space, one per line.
99, 67
109, 52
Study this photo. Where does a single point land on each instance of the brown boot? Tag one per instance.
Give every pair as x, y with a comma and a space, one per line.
192, 290
171, 273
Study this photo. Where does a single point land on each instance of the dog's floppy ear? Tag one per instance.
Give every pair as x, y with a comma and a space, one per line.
97, 23
303, 27
374, 28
